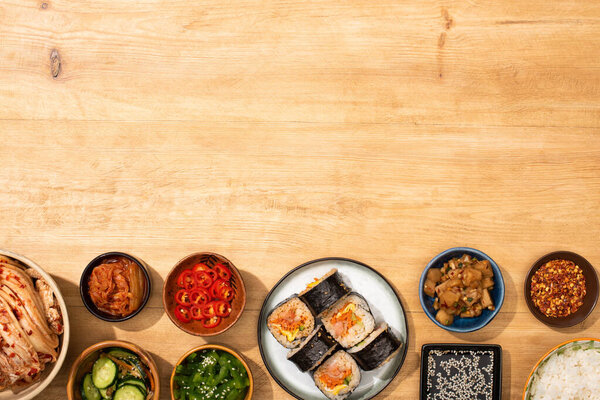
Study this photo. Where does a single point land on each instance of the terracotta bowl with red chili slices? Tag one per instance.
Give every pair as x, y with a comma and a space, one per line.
204, 294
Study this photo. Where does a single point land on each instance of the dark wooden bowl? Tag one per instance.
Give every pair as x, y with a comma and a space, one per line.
591, 285
170, 288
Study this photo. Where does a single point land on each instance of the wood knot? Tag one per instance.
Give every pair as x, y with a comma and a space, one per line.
55, 64
448, 21
442, 40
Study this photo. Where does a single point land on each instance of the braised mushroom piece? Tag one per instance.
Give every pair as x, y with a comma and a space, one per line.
460, 288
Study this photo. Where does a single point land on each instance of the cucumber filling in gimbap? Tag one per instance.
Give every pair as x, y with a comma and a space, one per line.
291, 322
338, 376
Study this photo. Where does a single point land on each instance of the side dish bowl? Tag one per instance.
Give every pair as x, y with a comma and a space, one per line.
51, 371
196, 327
84, 287
219, 348
84, 362
589, 301
463, 324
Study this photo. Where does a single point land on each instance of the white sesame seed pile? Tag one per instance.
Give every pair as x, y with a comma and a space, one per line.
460, 375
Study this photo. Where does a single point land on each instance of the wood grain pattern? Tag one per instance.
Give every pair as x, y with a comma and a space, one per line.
279, 132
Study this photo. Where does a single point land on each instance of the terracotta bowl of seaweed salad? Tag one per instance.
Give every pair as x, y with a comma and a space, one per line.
204, 294
211, 369
114, 369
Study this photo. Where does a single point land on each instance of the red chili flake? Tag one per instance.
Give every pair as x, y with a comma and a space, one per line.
558, 288
30, 332
12, 355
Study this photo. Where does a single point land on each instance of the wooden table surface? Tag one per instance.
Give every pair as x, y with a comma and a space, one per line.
276, 132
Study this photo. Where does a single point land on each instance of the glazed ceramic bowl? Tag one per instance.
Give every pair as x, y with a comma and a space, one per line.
584, 344
214, 347
83, 364
463, 324
84, 292
170, 288
591, 285
52, 370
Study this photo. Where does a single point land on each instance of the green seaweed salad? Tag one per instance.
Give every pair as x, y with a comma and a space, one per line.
211, 375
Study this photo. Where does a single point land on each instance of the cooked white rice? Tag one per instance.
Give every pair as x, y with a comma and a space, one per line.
572, 375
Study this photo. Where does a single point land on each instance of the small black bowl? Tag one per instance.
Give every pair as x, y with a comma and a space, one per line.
87, 301
591, 285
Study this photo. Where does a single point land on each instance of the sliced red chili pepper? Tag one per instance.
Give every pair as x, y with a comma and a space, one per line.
203, 279
183, 314
223, 272
199, 296
222, 308
215, 289
211, 322
186, 280
227, 293
182, 297
213, 274
196, 313
200, 267
208, 310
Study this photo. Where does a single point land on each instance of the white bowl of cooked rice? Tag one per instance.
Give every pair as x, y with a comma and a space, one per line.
569, 371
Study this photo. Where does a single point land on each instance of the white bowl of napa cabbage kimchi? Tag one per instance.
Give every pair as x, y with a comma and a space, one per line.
34, 328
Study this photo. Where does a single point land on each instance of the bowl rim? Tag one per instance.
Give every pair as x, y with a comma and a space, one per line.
92, 307
537, 265
317, 260
548, 353
434, 261
164, 294
207, 346
146, 357
64, 345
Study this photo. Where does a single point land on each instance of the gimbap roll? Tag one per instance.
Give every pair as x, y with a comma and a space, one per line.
376, 350
290, 322
349, 321
324, 292
313, 350
338, 376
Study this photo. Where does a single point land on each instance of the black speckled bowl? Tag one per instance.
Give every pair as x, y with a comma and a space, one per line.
87, 301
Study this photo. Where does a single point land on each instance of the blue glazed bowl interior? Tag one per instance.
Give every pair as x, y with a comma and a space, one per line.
463, 324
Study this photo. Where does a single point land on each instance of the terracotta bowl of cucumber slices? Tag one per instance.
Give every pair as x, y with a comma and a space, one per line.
114, 370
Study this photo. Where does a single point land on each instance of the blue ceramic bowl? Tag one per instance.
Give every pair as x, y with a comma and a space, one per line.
463, 324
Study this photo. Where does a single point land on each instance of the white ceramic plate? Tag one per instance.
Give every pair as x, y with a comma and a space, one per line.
50, 372
362, 279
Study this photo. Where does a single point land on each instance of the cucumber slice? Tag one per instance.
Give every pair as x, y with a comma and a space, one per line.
88, 390
130, 380
122, 354
129, 392
104, 373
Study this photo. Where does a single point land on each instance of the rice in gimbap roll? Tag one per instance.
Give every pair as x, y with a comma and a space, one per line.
338, 376
349, 320
379, 348
290, 322
313, 350
324, 292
